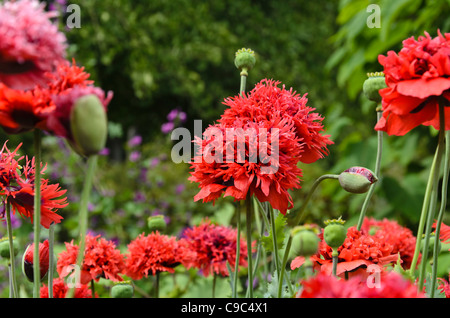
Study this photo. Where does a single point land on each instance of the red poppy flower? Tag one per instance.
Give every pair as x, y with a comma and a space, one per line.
28, 258
444, 234
444, 286
154, 253
417, 81
60, 290
259, 158
267, 102
101, 260
30, 44
18, 189
215, 246
401, 238
358, 251
391, 285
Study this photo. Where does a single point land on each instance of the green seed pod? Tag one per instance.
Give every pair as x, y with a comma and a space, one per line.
357, 179
4, 248
156, 223
245, 60
304, 243
373, 84
334, 233
89, 125
122, 290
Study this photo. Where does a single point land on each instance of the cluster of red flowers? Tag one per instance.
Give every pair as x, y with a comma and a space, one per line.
391, 285
270, 121
418, 81
208, 247
17, 183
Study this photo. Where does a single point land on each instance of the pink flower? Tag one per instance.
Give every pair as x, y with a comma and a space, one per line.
30, 44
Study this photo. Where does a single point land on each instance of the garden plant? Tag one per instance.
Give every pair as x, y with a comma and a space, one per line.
238, 204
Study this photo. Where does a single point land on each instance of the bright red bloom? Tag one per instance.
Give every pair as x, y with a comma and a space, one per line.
444, 234
28, 259
268, 102
215, 246
101, 260
60, 290
18, 189
418, 81
444, 286
30, 44
358, 251
259, 158
401, 238
391, 285
154, 253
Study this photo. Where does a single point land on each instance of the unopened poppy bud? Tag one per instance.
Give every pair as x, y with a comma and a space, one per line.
122, 290
245, 60
334, 233
156, 223
89, 125
28, 260
305, 242
357, 179
4, 248
373, 84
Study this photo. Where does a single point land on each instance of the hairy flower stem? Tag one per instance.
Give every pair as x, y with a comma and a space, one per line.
37, 212
335, 255
249, 212
429, 195
316, 183
51, 239
441, 213
377, 173
83, 211
275, 244
12, 277
238, 248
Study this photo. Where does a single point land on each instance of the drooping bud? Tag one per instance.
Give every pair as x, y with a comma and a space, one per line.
305, 242
357, 179
373, 84
156, 223
5, 249
89, 125
334, 233
245, 60
27, 260
122, 290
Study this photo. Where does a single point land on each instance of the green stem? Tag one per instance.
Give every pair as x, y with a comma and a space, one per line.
249, 212
434, 174
238, 248
37, 212
51, 239
214, 285
283, 265
243, 83
157, 284
83, 210
334, 255
441, 213
377, 173
275, 244
12, 278
316, 183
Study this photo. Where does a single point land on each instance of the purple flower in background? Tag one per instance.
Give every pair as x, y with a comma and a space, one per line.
139, 197
179, 188
104, 152
167, 127
135, 156
135, 141
172, 115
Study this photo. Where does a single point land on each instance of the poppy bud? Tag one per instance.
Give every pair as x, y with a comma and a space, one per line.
4, 248
357, 179
122, 290
373, 84
334, 233
156, 223
245, 60
27, 261
89, 125
304, 243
